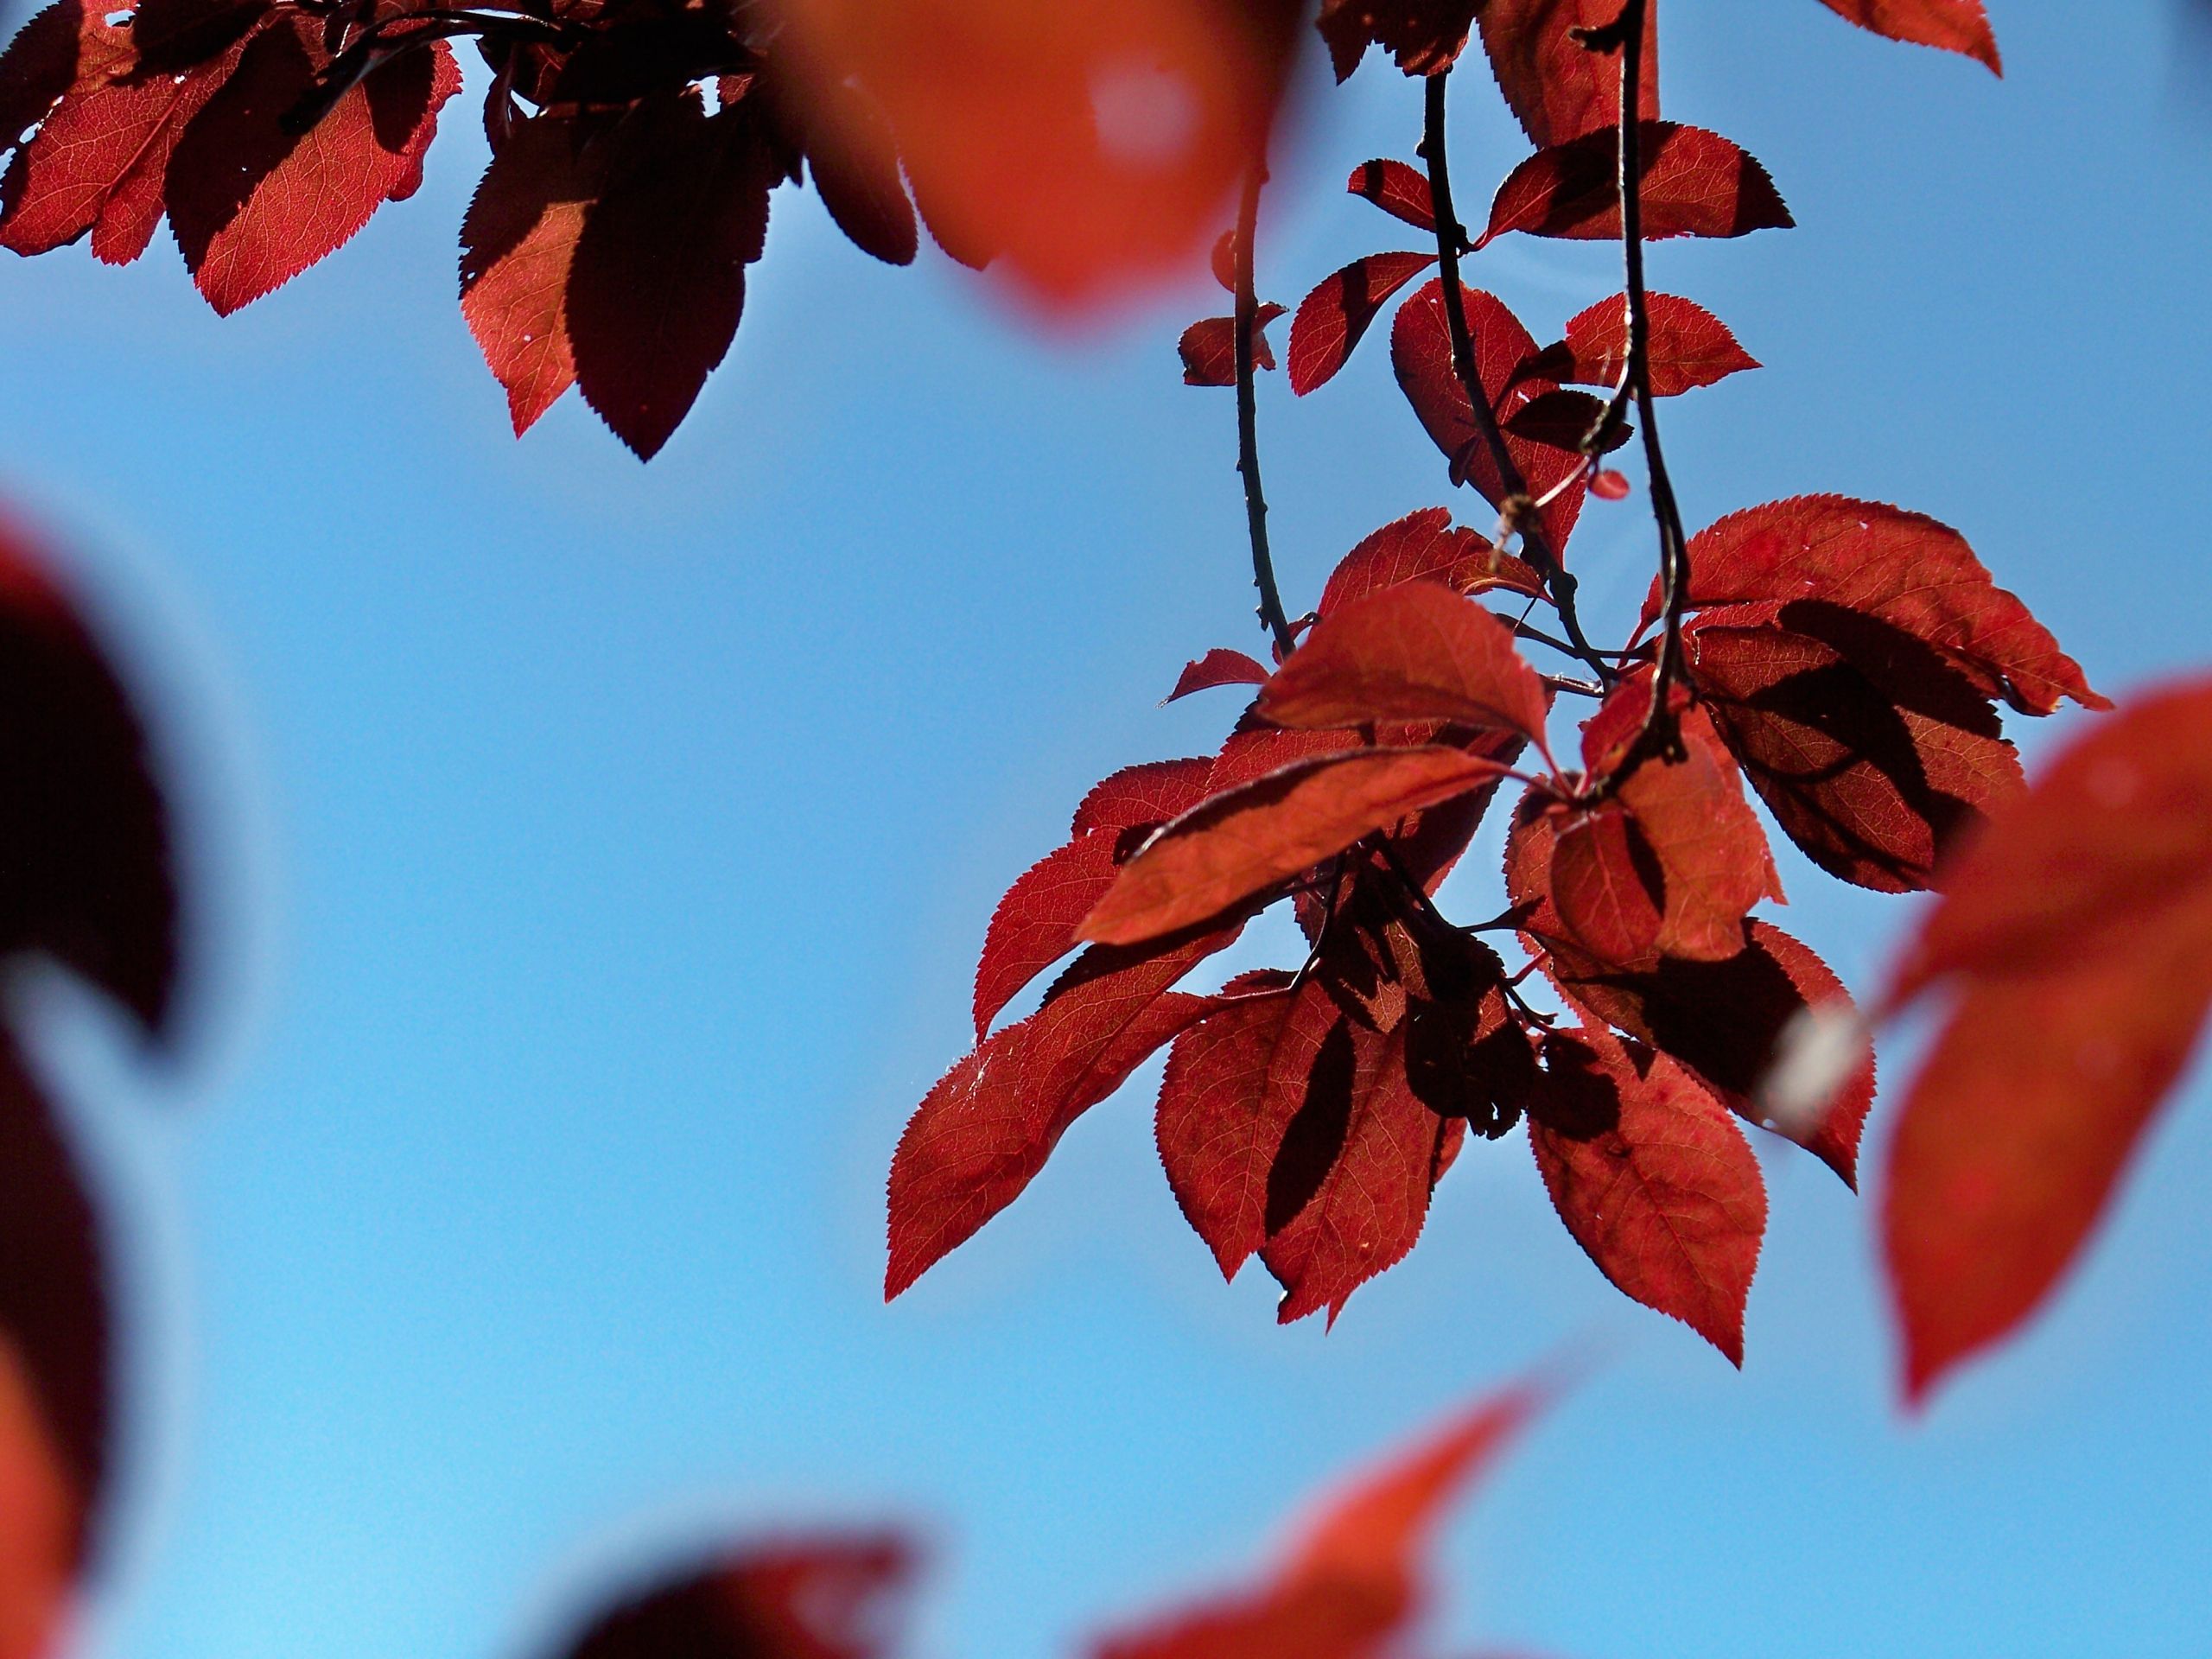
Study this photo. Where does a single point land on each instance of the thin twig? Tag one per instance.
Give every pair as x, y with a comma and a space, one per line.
1451, 241
1272, 615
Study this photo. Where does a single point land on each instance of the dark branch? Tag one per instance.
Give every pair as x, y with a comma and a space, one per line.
1271, 616
1518, 510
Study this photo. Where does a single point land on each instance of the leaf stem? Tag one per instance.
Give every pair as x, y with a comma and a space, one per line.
1518, 510
1272, 615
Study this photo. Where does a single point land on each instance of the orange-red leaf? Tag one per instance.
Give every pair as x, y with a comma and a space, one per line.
1208, 347
1399, 190
1558, 87
1332, 318
1608, 886
1421, 355
2079, 933
254, 204
806, 1598
1217, 667
517, 246
981, 1136
1690, 347
1909, 570
1414, 651
1424, 546
1260, 834
1143, 795
1954, 25
1694, 183
657, 283
1654, 1180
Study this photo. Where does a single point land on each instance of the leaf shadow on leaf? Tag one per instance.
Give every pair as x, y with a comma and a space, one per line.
1317, 1132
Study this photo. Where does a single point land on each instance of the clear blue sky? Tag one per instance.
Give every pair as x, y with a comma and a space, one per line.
598, 853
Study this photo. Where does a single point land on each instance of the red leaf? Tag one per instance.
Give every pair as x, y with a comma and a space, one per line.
1608, 886
54, 1391
85, 850
1420, 354
1260, 834
1954, 25
1145, 795
1423, 35
1424, 546
2079, 932
1035, 924
1349, 1188
1562, 420
854, 161
1399, 190
1357, 1573
1235, 1083
1039, 131
1333, 317
1690, 347
254, 204
1654, 1180
1209, 347
1414, 651
98, 162
813, 1598
657, 282
1217, 667
984, 1131
1694, 183
48, 56
1912, 572
517, 247
1558, 87
1875, 755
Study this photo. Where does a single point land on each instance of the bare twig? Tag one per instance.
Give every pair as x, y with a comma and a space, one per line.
1518, 510
1272, 615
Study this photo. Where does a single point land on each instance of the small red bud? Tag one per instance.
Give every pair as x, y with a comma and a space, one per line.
1609, 486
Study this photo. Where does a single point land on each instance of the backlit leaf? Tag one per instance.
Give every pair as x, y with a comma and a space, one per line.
1332, 320
1217, 667
1692, 184
1414, 651
1424, 37
1208, 347
1424, 546
1909, 570
1260, 834
1654, 1180
1560, 88
1399, 190
1690, 347
1954, 25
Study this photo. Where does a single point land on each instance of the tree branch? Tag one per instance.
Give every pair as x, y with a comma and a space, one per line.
1271, 616
1517, 511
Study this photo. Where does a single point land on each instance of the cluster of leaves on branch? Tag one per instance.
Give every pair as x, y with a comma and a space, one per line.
1843, 661
85, 881
635, 144
1352, 1585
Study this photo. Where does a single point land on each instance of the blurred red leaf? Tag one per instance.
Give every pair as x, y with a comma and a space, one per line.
981, 1136
1414, 651
1399, 190
1653, 1179
1217, 667
1332, 319
1692, 184
1208, 347
1261, 834
1558, 87
1141, 115
1903, 568
2078, 934
1954, 25
1424, 546
1420, 354
825, 1598
1690, 347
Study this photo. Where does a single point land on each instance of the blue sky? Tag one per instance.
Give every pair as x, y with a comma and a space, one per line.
595, 857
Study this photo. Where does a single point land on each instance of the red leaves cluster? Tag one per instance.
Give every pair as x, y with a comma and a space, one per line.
1353, 1582
84, 879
